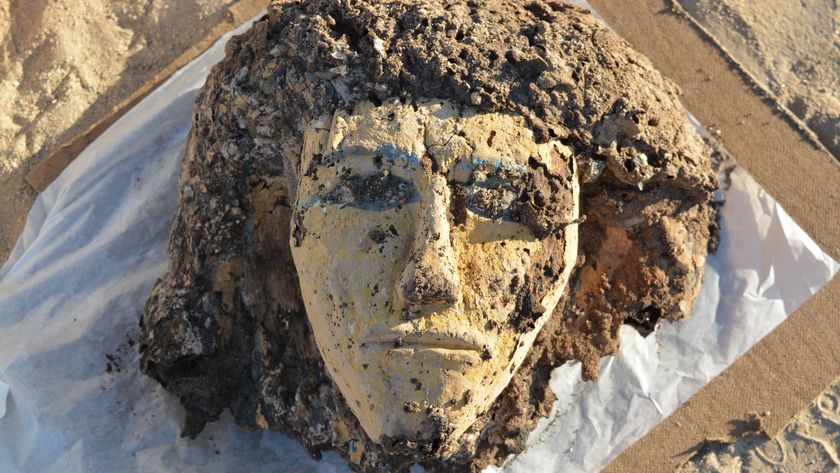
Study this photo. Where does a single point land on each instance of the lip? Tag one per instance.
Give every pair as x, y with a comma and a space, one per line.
408, 338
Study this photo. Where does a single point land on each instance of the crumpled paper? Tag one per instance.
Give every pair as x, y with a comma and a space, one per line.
765, 268
71, 294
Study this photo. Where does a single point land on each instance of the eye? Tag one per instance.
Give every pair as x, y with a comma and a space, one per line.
376, 192
495, 200
490, 202
490, 196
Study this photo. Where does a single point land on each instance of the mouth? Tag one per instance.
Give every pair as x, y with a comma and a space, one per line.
397, 338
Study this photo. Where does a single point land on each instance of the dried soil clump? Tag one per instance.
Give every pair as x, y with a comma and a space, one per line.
225, 328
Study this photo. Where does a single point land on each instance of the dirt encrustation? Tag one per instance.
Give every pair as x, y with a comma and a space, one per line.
225, 328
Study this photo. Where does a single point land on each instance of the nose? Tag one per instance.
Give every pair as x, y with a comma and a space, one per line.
431, 276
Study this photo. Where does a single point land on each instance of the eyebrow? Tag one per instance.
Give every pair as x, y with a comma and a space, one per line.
396, 153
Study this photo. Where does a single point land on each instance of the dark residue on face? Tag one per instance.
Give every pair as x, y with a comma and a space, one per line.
436, 431
541, 201
380, 191
298, 229
545, 201
535, 197
377, 235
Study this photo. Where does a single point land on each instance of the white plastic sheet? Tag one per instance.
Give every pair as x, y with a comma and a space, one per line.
72, 398
765, 268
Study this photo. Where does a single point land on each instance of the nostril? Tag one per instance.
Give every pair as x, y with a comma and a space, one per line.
423, 284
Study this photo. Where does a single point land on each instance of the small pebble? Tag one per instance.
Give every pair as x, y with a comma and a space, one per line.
379, 45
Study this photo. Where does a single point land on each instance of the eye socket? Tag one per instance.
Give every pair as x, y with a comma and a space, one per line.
376, 192
489, 201
489, 195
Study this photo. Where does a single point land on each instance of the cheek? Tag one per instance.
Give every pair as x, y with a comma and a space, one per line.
356, 255
492, 267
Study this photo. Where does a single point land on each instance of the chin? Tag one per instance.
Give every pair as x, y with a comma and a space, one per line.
427, 431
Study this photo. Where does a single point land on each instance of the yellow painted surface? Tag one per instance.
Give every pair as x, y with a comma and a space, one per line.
404, 365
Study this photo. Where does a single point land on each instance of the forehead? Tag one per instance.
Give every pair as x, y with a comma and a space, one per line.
446, 132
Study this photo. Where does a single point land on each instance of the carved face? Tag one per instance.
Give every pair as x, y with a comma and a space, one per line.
431, 244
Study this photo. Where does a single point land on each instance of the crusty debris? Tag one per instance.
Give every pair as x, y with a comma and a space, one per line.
225, 327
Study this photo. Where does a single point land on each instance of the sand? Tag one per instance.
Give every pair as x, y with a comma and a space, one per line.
810, 443
65, 63
789, 48
244, 140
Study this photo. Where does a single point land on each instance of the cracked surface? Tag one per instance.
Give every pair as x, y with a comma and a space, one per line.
422, 318
225, 328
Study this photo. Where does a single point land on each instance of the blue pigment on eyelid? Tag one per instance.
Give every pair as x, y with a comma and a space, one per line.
310, 203
396, 153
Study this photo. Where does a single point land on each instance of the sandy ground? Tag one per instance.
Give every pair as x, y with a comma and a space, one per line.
65, 63
810, 443
789, 47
